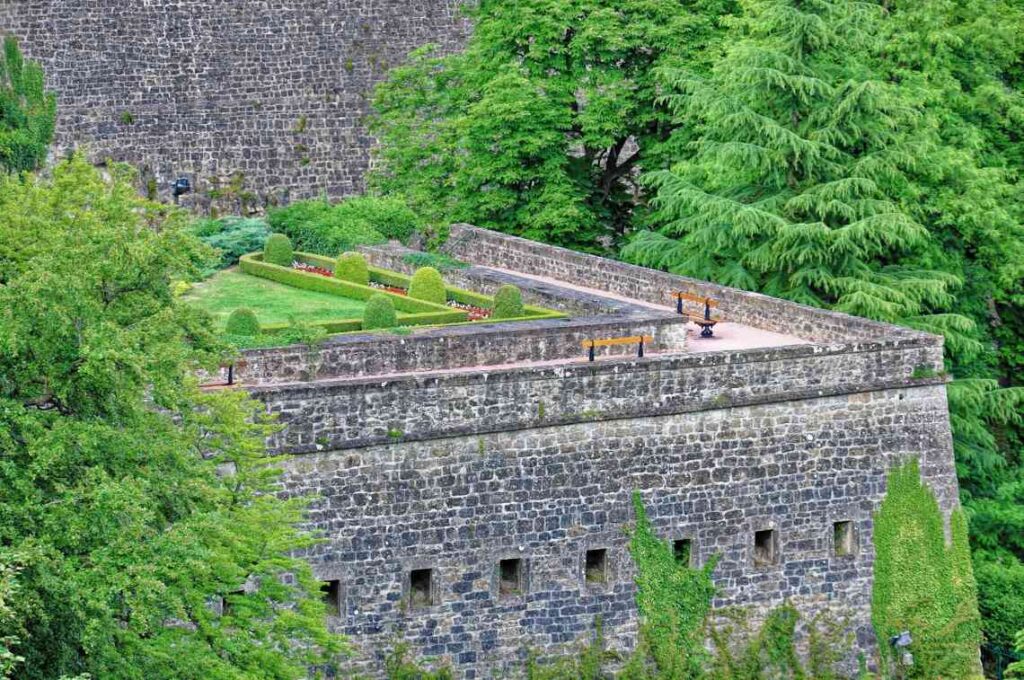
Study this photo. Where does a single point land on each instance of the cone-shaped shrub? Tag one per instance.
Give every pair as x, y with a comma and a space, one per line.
508, 303
243, 321
278, 250
428, 285
352, 267
379, 313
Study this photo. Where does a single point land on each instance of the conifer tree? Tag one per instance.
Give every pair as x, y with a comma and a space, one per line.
788, 183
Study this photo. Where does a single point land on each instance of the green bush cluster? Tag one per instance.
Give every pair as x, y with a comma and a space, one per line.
352, 267
440, 261
278, 250
508, 303
379, 313
243, 321
232, 237
320, 227
427, 284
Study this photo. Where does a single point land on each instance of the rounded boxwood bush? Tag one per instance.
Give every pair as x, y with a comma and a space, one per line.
243, 321
508, 303
428, 285
352, 267
379, 313
278, 250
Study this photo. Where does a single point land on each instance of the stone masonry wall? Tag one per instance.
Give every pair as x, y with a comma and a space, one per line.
546, 495
276, 91
485, 247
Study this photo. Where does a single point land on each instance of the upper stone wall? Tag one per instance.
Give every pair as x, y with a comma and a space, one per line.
274, 90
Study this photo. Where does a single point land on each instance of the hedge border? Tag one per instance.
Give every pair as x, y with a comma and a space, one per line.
466, 297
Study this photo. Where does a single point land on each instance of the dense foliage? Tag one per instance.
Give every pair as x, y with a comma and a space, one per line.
232, 237
317, 226
379, 313
132, 504
352, 267
427, 284
541, 125
921, 584
27, 112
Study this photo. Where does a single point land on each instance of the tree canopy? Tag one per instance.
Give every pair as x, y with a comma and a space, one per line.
139, 535
27, 112
540, 126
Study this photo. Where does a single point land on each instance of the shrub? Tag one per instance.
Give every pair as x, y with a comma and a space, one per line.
379, 313
233, 237
508, 303
278, 250
319, 227
243, 322
428, 285
352, 267
440, 261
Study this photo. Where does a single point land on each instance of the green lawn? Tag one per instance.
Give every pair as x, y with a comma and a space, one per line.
273, 302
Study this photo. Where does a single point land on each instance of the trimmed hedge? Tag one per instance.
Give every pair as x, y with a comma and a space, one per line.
254, 264
278, 250
508, 303
379, 313
427, 284
352, 267
243, 321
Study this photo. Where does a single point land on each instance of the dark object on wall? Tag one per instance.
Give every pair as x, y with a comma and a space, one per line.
181, 186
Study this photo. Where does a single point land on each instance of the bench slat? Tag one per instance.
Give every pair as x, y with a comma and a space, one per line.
690, 297
631, 340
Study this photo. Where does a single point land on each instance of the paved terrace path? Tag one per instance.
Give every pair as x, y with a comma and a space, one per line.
728, 335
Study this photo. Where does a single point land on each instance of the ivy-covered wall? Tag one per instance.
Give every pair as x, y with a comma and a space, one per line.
256, 100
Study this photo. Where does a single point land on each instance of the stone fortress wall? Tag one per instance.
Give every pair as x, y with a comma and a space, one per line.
273, 92
449, 471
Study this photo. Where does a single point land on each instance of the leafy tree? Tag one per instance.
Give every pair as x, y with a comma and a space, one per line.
132, 503
27, 112
540, 126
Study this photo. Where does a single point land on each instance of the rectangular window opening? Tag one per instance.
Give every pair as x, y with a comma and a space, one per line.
331, 593
765, 548
510, 577
843, 538
682, 548
421, 588
596, 566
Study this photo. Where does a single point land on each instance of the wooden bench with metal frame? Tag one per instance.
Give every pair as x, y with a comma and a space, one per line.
638, 340
706, 322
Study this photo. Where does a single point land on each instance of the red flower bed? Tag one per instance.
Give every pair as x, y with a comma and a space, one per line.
311, 269
390, 289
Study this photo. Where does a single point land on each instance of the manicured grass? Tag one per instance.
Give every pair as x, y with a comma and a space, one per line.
273, 302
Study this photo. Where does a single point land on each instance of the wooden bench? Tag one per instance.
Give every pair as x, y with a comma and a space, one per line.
706, 322
638, 340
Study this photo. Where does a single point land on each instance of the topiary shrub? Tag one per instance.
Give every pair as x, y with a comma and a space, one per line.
428, 285
379, 313
278, 250
243, 322
508, 303
352, 267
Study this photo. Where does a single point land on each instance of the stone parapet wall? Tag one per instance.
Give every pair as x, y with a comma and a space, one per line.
275, 93
485, 247
476, 345
546, 495
346, 414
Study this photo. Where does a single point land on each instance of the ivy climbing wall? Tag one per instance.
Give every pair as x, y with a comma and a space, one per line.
257, 100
